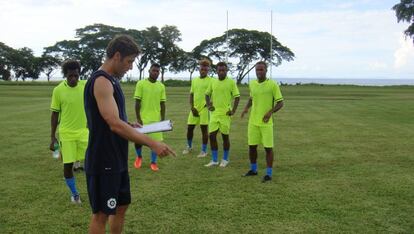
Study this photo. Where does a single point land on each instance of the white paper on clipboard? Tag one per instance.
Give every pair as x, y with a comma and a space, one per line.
162, 126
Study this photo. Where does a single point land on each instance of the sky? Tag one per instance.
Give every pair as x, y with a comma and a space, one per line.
330, 39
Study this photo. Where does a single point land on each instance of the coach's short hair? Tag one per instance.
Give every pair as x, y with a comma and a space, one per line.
70, 64
124, 44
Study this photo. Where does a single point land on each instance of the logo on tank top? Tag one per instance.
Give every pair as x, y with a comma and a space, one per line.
111, 203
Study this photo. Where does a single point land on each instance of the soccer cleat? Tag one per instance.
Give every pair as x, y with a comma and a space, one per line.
211, 164
224, 163
138, 162
202, 154
154, 167
250, 173
76, 199
187, 150
266, 178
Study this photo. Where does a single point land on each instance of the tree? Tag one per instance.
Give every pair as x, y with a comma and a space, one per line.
148, 40
168, 51
5, 62
188, 61
48, 64
25, 64
405, 12
93, 40
63, 50
246, 47
21, 61
90, 47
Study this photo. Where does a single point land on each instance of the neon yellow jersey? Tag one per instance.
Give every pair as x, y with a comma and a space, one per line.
150, 94
68, 101
198, 89
264, 96
221, 93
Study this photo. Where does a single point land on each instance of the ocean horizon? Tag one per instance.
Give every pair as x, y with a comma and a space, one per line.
345, 81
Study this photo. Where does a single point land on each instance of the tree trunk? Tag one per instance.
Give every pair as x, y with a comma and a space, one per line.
48, 74
140, 73
241, 76
191, 75
162, 75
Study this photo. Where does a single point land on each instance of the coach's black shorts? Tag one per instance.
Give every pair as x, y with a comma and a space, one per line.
108, 191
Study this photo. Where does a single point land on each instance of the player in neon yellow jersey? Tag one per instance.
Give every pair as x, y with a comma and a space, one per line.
218, 98
265, 99
68, 113
150, 100
199, 113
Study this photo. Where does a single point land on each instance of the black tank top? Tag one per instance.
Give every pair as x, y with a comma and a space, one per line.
107, 151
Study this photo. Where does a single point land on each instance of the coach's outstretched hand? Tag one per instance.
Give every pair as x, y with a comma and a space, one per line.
162, 149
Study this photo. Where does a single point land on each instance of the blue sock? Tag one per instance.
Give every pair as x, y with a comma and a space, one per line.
214, 155
153, 157
269, 171
139, 152
71, 184
253, 167
226, 155
190, 143
204, 148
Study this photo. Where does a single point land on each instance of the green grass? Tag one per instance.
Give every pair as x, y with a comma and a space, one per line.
344, 163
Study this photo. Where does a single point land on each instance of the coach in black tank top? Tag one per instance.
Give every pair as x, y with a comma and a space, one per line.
106, 160
107, 151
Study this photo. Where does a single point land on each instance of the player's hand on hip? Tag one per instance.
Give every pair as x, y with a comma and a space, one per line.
245, 111
195, 112
267, 116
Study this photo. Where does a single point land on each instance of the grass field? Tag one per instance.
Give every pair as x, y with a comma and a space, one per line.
344, 164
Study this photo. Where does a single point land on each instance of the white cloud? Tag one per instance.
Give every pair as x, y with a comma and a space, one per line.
377, 66
404, 55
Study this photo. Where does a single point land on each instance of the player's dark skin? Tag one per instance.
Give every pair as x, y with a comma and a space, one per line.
261, 71
72, 78
154, 72
222, 73
191, 127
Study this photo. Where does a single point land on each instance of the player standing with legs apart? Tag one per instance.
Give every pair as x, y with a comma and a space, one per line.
218, 98
150, 108
68, 113
106, 162
199, 111
264, 93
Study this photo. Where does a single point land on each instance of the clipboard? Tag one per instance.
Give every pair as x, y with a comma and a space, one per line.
162, 126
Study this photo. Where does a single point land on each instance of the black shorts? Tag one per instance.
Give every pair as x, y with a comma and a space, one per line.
108, 191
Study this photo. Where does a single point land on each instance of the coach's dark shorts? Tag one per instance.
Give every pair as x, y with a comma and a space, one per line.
108, 191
